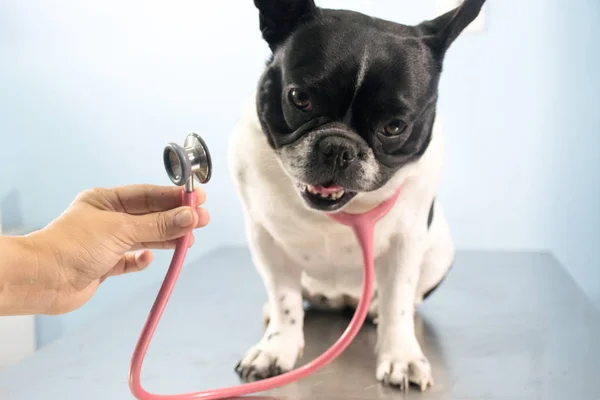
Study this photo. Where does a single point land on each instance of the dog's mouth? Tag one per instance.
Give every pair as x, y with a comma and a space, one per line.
325, 197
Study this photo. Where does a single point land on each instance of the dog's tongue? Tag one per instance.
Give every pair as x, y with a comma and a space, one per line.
327, 190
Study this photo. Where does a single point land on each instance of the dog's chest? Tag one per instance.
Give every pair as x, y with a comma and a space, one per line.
327, 250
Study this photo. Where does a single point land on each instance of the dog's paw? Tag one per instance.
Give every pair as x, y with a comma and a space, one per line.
398, 372
274, 355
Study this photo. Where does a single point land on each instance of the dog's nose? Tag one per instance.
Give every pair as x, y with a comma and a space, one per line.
340, 151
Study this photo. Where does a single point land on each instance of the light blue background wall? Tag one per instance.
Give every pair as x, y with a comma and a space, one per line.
84, 82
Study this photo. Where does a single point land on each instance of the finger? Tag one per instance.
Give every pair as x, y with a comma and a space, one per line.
131, 262
169, 244
143, 199
203, 217
162, 226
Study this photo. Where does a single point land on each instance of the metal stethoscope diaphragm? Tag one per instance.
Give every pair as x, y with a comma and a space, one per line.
183, 164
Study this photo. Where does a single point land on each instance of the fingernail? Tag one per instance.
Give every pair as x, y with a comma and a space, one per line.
138, 254
141, 254
184, 219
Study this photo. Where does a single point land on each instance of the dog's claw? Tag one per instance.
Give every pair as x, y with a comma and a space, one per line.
400, 375
268, 359
250, 373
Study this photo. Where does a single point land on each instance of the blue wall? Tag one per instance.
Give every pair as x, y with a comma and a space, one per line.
83, 83
574, 201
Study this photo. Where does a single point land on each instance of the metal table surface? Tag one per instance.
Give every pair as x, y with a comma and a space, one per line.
502, 326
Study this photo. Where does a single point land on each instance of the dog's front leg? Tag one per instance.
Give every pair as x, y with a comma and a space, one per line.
283, 341
400, 359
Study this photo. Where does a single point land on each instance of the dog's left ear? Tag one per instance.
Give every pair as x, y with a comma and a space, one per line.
442, 31
279, 18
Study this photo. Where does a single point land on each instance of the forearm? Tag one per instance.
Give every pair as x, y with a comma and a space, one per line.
26, 286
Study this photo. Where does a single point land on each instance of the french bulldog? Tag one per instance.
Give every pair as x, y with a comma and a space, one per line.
343, 117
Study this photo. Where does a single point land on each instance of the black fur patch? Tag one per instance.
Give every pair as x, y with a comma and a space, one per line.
321, 53
430, 216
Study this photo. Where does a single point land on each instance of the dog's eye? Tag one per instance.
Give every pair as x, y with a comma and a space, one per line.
395, 127
300, 99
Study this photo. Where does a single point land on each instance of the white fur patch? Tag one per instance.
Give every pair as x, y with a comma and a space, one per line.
362, 72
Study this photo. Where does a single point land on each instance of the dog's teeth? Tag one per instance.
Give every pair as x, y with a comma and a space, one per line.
337, 195
330, 196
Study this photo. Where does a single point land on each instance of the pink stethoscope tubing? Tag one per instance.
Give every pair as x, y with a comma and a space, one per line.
363, 226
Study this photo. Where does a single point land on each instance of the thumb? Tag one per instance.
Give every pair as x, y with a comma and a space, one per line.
165, 225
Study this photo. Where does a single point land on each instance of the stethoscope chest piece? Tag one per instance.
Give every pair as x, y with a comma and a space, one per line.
183, 164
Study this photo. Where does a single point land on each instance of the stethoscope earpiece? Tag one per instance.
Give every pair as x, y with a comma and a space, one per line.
184, 163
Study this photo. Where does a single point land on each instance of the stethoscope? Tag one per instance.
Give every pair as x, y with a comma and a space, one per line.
183, 164
192, 162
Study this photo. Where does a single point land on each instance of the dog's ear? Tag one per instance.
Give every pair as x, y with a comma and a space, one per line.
279, 18
439, 33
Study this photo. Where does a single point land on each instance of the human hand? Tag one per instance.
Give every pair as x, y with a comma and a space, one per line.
109, 232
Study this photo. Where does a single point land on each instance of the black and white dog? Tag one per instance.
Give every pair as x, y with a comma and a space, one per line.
344, 115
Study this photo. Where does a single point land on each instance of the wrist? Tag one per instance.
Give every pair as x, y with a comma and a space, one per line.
29, 276
49, 272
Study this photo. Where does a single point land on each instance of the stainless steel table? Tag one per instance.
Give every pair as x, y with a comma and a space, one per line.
502, 326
